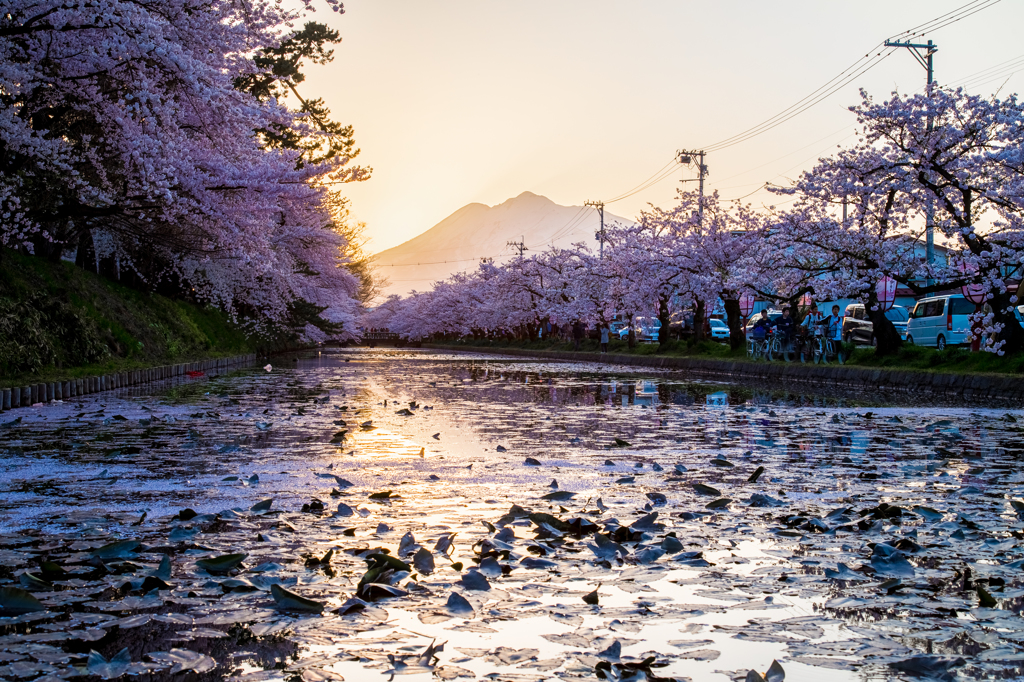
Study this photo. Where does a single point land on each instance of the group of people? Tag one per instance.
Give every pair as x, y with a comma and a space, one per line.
578, 332
786, 328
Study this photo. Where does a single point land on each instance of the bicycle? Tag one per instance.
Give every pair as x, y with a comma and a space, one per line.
758, 347
782, 346
821, 346
824, 348
777, 345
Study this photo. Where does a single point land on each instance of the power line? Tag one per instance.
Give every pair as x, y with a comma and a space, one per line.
569, 226
640, 187
985, 5
763, 185
992, 75
926, 26
986, 71
839, 82
855, 70
437, 262
654, 180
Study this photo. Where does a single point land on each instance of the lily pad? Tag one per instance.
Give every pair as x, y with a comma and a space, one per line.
458, 604
15, 601
289, 601
109, 670
474, 580
707, 490
116, 550
423, 561
221, 564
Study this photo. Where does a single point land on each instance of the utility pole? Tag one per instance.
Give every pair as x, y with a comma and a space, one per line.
520, 246
923, 55
599, 205
686, 158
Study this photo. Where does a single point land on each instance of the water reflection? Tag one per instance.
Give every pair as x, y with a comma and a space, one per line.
775, 556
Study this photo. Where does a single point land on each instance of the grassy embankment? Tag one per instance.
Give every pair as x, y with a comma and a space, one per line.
951, 360
58, 321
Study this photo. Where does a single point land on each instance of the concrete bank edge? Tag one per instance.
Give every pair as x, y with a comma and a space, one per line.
969, 386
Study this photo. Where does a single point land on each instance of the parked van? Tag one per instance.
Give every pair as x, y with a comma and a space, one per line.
940, 321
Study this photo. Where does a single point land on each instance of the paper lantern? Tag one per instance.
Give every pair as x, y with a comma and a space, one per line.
885, 292
746, 304
975, 293
807, 300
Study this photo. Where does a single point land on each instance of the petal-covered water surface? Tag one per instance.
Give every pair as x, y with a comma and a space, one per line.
362, 514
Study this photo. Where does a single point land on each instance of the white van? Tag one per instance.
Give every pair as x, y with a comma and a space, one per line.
940, 321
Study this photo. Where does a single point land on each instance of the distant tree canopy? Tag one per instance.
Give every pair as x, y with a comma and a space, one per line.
962, 154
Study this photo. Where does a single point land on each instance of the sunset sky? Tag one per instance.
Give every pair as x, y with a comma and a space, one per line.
462, 101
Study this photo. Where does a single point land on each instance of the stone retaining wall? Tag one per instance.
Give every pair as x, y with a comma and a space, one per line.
25, 396
966, 386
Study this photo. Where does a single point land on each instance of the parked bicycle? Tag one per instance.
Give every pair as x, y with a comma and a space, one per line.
758, 346
768, 345
822, 347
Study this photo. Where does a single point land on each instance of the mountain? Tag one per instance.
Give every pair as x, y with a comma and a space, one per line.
478, 231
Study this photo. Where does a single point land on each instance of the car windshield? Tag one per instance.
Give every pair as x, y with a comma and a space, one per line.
717, 323
897, 314
772, 316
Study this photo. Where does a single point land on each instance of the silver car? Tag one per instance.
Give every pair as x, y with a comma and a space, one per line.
940, 321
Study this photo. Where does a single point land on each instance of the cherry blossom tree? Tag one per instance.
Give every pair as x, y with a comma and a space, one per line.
957, 152
156, 135
711, 251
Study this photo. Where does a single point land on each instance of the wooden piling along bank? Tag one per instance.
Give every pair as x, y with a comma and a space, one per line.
24, 396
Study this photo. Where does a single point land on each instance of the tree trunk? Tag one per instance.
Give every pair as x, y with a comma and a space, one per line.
663, 317
85, 258
887, 339
631, 337
699, 311
737, 338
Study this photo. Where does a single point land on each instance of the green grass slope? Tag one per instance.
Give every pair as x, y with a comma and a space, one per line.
59, 321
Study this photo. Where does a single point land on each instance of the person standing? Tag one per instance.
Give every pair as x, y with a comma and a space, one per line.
604, 338
577, 335
810, 322
785, 326
834, 332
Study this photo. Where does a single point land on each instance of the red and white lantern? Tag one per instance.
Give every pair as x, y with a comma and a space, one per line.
975, 293
746, 304
806, 301
885, 292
